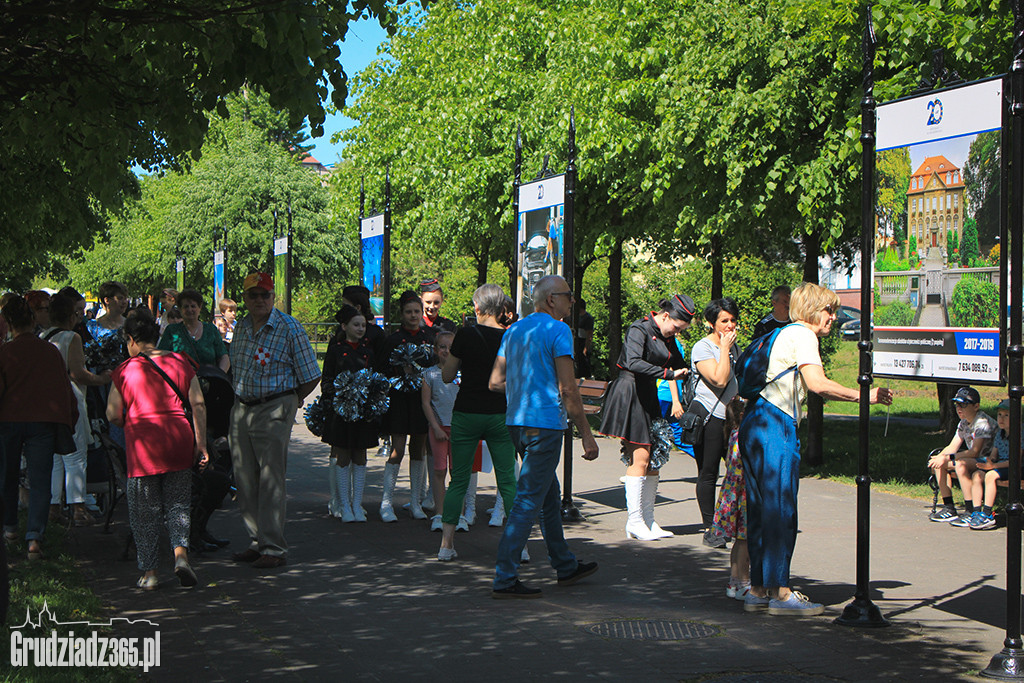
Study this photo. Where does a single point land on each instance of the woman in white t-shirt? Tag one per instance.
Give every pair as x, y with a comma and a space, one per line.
770, 448
713, 358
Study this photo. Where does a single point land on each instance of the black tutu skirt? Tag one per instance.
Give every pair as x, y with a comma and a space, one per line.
355, 436
629, 407
405, 414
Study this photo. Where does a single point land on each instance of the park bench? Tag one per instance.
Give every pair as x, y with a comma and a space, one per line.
592, 391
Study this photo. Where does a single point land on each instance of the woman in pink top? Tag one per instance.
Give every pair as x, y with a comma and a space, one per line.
161, 445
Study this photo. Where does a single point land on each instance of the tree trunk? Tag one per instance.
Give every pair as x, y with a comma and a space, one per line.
483, 261
614, 305
948, 418
815, 405
716, 267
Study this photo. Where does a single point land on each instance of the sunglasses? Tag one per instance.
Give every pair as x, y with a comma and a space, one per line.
259, 295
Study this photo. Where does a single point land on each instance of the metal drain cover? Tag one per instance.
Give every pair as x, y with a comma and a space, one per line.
639, 629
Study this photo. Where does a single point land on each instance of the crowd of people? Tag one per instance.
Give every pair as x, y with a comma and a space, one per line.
497, 388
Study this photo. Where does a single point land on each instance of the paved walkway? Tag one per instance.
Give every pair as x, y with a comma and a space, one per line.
371, 602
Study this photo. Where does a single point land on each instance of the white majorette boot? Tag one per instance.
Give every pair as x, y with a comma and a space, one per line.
635, 527
498, 511
344, 481
417, 470
333, 505
647, 506
387, 513
469, 511
427, 499
358, 484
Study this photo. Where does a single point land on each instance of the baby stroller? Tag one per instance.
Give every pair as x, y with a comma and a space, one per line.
211, 485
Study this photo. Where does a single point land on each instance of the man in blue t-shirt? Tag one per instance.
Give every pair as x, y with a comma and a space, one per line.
535, 370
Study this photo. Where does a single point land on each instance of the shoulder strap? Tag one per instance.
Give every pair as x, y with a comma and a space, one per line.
184, 400
52, 333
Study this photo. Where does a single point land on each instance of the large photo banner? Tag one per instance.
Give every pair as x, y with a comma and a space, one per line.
936, 275
540, 233
281, 273
371, 234
218, 278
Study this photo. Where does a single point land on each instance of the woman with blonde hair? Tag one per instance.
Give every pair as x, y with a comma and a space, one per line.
770, 448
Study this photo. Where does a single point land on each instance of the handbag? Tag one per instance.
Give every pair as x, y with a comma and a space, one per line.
692, 423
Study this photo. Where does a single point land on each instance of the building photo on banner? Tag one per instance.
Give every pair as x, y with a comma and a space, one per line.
936, 276
371, 233
540, 233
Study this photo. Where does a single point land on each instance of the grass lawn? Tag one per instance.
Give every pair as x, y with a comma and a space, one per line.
56, 581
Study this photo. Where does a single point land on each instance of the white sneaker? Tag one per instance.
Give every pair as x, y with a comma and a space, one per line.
387, 514
525, 557
447, 554
435, 523
463, 524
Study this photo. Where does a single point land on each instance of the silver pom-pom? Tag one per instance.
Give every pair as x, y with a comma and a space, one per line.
105, 354
661, 446
415, 356
360, 395
315, 416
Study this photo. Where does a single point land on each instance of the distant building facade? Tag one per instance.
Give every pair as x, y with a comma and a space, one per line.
935, 203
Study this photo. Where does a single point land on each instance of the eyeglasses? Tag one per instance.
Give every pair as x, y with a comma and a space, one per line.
568, 294
259, 295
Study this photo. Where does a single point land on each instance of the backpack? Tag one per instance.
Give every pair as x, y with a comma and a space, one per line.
752, 366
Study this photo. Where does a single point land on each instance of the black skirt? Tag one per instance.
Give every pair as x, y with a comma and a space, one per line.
405, 414
631, 404
355, 436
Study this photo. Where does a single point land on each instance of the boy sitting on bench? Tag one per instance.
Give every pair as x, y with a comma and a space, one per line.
974, 433
992, 470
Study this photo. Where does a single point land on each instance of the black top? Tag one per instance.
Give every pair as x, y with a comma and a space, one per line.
766, 325
441, 323
396, 339
647, 353
375, 336
341, 356
477, 347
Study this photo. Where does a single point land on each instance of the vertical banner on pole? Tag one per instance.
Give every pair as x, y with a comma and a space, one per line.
179, 274
218, 278
281, 283
539, 230
371, 239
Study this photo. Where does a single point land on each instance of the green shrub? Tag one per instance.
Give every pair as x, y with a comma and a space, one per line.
896, 314
890, 260
974, 303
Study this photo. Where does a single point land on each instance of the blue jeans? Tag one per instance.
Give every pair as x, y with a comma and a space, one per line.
536, 493
34, 440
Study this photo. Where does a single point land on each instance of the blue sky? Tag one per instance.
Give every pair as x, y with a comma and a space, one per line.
357, 51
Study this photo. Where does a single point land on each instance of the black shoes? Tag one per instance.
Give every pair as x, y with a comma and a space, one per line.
516, 590
583, 570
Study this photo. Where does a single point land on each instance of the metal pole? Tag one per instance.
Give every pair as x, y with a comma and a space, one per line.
386, 266
517, 170
288, 264
570, 513
1008, 664
863, 612
359, 229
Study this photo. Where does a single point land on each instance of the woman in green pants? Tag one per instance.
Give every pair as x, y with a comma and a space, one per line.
479, 413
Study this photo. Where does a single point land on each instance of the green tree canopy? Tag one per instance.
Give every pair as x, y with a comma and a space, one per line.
244, 176
90, 90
